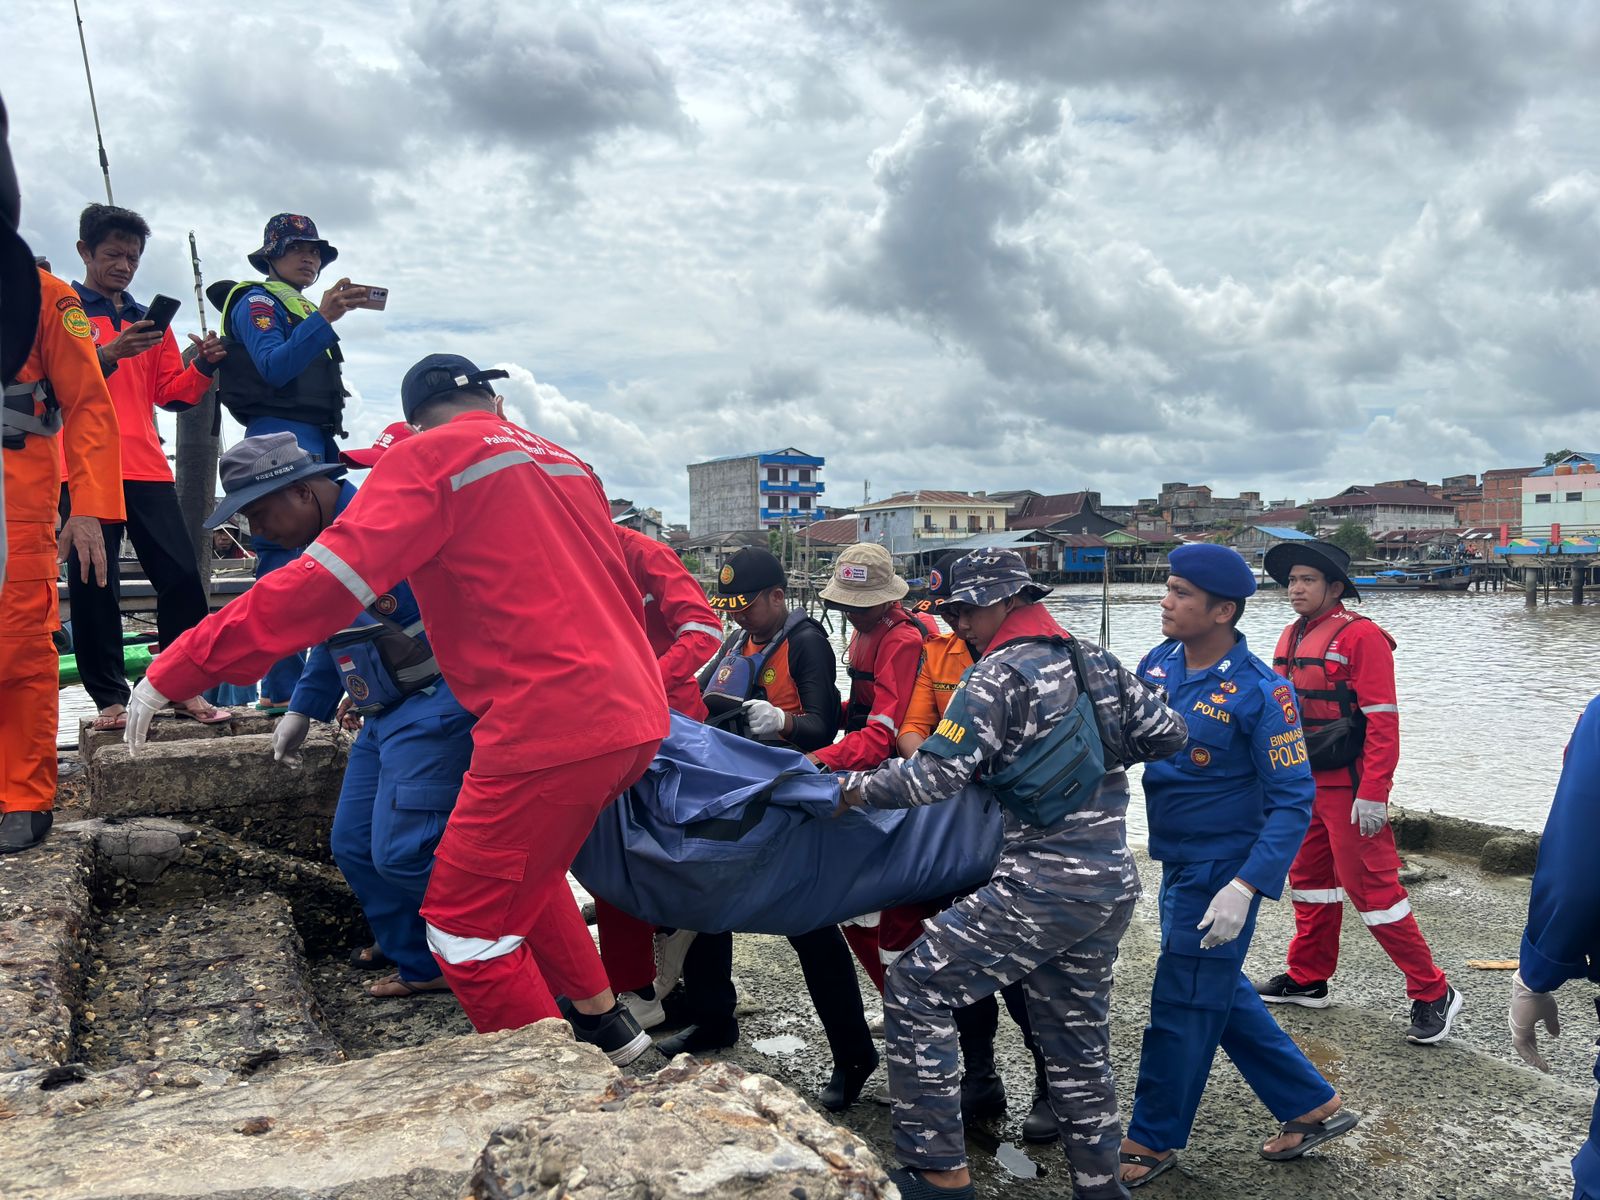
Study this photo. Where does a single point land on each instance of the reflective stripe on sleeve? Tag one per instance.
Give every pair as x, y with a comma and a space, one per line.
1369, 709
456, 950
1318, 896
1388, 916
885, 720
697, 627
343, 572
1338, 658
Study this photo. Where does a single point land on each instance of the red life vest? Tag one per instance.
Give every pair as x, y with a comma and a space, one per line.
1335, 726
859, 706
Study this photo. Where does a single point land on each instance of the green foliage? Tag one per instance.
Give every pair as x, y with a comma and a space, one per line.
1353, 539
1555, 456
692, 562
1306, 525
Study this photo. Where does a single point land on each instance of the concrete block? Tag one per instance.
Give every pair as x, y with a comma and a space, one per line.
1510, 854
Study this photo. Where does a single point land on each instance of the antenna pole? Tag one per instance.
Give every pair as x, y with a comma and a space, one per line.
105, 163
199, 289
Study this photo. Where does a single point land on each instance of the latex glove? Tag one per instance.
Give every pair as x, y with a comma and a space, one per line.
144, 704
288, 736
1528, 1008
765, 719
1225, 916
1371, 815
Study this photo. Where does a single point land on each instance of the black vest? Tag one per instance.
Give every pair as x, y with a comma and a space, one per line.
315, 396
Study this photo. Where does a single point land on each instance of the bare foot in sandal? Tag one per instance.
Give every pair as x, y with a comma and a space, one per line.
198, 708
1133, 1172
1286, 1142
112, 716
393, 985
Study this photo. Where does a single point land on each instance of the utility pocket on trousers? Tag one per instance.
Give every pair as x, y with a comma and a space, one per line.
467, 854
426, 796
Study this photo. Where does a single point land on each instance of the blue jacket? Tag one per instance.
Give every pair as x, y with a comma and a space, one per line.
320, 689
1241, 788
278, 356
1562, 939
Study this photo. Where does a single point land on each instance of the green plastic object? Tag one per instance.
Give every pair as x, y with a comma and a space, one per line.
136, 658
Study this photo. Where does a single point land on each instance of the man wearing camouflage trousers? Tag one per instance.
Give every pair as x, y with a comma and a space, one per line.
1061, 895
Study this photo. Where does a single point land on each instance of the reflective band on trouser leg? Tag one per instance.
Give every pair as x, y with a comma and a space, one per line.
343, 572
457, 950
1317, 896
1388, 916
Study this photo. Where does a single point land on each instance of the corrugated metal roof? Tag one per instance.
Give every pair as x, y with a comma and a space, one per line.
995, 539
931, 496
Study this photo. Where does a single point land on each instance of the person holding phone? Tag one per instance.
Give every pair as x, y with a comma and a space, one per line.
144, 371
284, 375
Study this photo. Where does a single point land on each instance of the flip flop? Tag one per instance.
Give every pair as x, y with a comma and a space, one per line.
1314, 1133
272, 710
370, 958
111, 721
411, 989
212, 715
1155, 1166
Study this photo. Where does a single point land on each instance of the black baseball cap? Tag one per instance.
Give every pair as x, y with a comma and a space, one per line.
438, 374
746, 572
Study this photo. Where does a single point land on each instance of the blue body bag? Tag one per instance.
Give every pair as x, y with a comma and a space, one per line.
723, 833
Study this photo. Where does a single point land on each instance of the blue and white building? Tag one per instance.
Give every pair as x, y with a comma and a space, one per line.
742, 492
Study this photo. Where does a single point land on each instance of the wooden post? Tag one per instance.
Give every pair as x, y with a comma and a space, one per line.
1578, 572
197, 476
1530, 587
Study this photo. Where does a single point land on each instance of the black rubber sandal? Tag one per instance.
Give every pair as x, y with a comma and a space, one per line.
1314, 1133
1156, 1166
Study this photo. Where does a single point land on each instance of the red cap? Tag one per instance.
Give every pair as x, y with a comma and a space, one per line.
365, 459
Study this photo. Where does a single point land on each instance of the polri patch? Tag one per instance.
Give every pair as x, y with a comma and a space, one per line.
1285, 699
1200, 756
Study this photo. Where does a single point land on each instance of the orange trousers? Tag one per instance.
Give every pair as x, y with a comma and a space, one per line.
29, 678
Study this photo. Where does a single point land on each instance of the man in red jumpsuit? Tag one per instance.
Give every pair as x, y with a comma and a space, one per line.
1342, 666
684, 633
566, 720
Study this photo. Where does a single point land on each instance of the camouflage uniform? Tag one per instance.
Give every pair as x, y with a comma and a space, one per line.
1057, 905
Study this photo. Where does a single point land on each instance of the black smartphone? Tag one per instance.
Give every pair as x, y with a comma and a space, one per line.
162, 309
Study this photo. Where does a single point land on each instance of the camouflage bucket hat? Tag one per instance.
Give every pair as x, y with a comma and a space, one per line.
985, 577
864, 576
284, 229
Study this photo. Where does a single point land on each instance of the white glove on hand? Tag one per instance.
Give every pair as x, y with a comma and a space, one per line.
1226, 915
765, 719
145, 703
1371, 815
1528, 1008
288, 736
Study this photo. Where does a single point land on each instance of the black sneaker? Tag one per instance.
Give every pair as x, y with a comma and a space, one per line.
1280, 989
700, 1039
1431, 1019
615, 1032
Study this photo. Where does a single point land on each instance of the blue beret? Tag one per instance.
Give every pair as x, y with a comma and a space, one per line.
1219, 570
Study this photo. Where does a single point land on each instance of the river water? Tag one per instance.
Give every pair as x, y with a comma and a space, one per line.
1489, 690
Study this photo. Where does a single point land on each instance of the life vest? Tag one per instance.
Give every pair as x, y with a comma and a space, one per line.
737, 676
859, 707
383, 663
315, 397
1335, 726
31, 410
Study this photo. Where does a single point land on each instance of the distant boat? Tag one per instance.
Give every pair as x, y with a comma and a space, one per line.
1450, 577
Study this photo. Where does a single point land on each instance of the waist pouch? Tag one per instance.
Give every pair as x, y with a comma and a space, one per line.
20, 418
1056, 774
380, 666
1336, 743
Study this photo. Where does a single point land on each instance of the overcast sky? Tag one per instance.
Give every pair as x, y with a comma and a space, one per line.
1273, 246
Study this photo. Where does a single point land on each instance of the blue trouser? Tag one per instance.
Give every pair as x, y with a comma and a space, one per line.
405, 770
1202, 1000
317, 442
1586, 1166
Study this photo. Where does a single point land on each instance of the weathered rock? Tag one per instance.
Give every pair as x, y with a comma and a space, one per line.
703, 1130
221, 982
231, 783
72, 1088
140, 848
1510, 854
374, 1121
46, 914
169, 727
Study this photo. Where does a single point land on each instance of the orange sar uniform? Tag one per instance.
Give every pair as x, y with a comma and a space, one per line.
63, 354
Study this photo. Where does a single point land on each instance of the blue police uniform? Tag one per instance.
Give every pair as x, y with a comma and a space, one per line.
405, 771
1562, 938
1235, 802
281, 354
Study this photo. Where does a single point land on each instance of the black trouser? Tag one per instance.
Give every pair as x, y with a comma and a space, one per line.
161, 540
830, 974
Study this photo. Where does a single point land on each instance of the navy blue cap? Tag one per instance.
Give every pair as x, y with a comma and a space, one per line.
1219, 570
439, 374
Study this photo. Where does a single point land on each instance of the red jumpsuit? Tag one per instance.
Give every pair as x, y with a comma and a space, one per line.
508, 544
63, 353
1335, 862
684, 633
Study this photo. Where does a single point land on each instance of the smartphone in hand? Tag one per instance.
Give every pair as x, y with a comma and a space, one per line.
161, 311
377, 298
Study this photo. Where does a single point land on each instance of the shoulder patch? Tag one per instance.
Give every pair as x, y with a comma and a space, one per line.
76, 322
263, 321
67, 302
1285, 699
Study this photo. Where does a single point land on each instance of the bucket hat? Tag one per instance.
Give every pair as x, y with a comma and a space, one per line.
864, 576
283, 229
986, 577
1331, 560
258, 466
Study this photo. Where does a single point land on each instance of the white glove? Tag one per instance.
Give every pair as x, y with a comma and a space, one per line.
145, 703
1371, 815
765, 719
288, 736
1226, 915
1528, 1008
